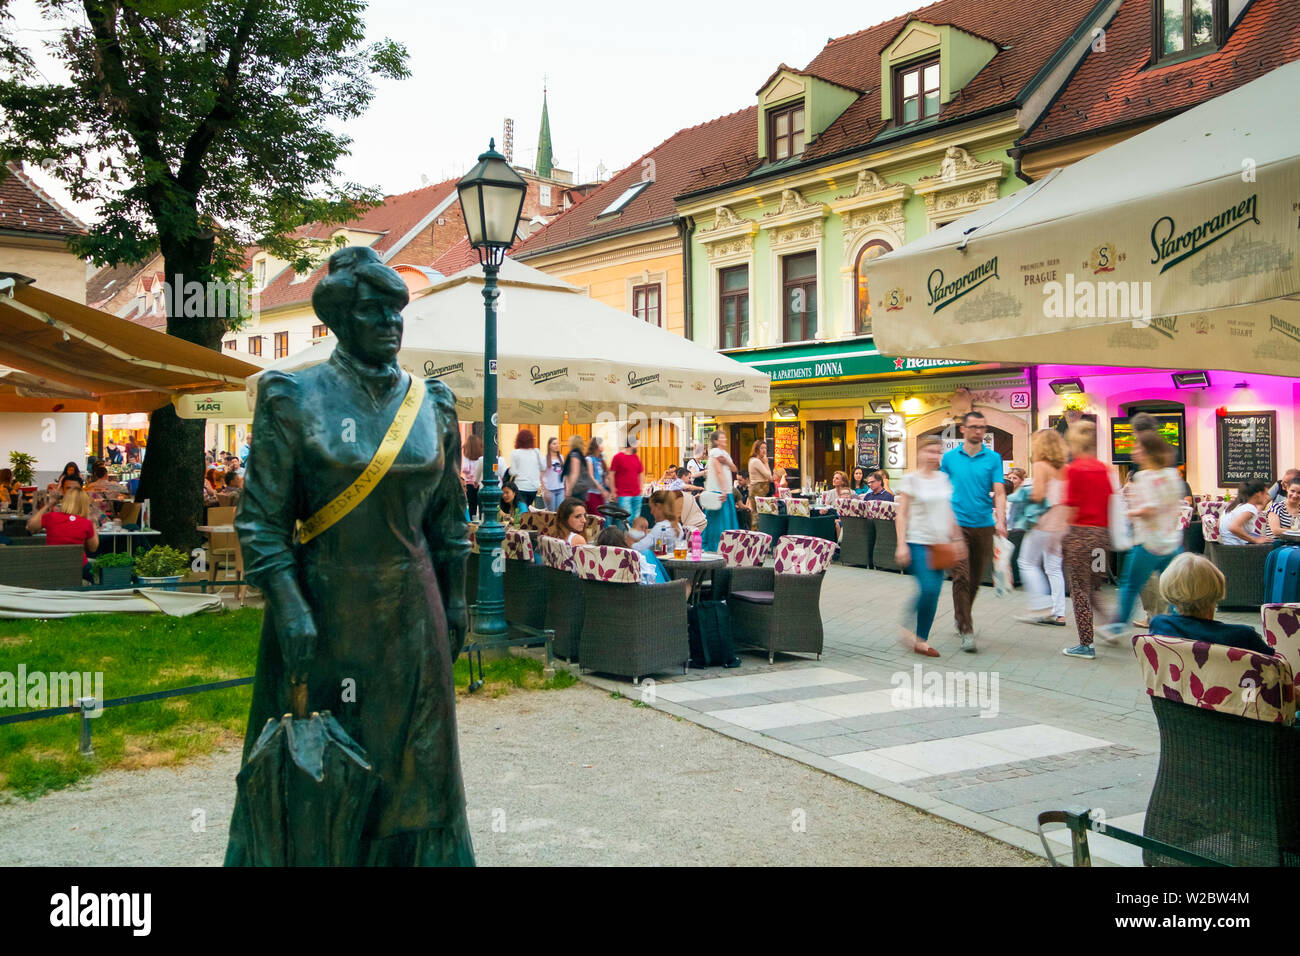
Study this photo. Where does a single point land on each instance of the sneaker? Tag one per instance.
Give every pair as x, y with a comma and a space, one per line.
1083, 651
968, 643
1111, 633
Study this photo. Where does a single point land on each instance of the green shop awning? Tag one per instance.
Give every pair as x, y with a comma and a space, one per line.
834, 361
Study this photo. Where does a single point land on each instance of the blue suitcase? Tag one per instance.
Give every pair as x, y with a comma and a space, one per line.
1282, 575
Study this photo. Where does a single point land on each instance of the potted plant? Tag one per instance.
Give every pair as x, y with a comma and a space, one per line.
115, 569
161, 566
21, 464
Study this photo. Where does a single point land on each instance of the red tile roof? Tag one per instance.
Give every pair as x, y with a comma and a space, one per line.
26, 208
1115, 87
725, 144
393, 219
110, 280
1027, 32
458, 257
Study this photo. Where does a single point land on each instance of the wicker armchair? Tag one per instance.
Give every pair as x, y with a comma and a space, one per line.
770, 520
44, 566
1241, 564
563, 597
739, 549
1228, 782
858, 534
525, 581
779, 608
883, 514
629, 628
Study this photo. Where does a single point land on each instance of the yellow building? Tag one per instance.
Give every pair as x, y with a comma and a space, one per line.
623, 245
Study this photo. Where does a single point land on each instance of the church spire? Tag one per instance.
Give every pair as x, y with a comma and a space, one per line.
544, 155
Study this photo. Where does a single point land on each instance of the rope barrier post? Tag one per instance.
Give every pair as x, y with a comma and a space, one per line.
85, 747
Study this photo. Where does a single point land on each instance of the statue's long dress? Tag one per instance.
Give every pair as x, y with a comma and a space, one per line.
373, 582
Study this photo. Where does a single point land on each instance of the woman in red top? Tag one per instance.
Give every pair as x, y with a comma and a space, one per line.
1087, 498
71, 524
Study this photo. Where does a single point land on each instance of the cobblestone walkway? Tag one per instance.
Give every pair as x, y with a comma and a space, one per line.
988, 740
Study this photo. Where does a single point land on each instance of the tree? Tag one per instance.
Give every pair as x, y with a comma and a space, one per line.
200, 127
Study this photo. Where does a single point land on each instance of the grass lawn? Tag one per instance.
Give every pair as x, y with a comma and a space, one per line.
139, 653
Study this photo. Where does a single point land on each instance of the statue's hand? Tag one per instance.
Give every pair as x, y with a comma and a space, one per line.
298, 645
457, 625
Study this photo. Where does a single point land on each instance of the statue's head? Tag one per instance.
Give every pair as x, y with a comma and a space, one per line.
361, 300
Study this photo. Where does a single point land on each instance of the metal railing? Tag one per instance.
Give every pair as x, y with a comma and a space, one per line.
1079, 820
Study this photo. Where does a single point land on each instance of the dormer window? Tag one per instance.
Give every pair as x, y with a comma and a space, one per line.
1187, 27
259, 274
916, 87
785, 132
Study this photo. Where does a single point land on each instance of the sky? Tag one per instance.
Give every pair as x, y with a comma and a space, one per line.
621, 77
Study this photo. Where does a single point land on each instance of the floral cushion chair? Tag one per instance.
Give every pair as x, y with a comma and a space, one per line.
524, 580
779, 608
1242, 564
1228, 782
563, 596
628, 628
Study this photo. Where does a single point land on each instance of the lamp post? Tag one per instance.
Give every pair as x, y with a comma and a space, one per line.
491, 199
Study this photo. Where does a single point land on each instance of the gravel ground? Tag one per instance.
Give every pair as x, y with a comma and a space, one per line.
569, 777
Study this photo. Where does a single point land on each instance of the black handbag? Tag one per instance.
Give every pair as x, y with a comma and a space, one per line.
709, 628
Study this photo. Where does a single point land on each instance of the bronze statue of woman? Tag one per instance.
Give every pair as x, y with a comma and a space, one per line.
369, 612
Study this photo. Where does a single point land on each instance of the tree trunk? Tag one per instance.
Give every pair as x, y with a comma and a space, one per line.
172, 476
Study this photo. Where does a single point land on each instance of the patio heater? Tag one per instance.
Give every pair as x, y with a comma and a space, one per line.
491, 199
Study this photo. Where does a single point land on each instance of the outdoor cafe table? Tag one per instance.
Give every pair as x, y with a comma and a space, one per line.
115, 537
693, 569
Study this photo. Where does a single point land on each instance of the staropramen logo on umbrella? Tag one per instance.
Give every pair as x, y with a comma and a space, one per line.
1172, 246
944, 293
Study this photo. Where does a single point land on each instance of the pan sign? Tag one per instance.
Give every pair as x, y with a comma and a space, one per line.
228, 406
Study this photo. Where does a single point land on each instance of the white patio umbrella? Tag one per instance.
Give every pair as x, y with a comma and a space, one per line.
559, 351
1175, 249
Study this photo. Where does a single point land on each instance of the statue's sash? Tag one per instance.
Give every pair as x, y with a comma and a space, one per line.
386, 454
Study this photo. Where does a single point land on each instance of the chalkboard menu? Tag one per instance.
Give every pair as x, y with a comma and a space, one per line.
1247, 443
869, 444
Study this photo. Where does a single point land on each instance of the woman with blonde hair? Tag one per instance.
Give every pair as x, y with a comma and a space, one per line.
1194, 586
1039, 513
71, 524
665, 507
1088, 487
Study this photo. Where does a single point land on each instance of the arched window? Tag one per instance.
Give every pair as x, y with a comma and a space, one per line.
862, 300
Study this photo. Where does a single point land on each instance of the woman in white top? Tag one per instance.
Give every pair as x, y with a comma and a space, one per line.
1155, 499
695, 463
553, 475
526, 464
1040, 550
668, 524
717, 486
1238, 522
925, 518
470, 459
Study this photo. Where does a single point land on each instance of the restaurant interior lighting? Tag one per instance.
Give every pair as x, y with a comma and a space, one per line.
882, 407
1191, 379
1067, 386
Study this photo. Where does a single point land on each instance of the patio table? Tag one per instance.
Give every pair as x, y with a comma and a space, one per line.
693, 569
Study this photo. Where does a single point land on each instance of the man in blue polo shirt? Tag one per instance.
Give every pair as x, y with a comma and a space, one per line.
979, 501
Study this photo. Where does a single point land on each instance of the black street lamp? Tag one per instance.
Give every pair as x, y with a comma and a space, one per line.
491, 198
